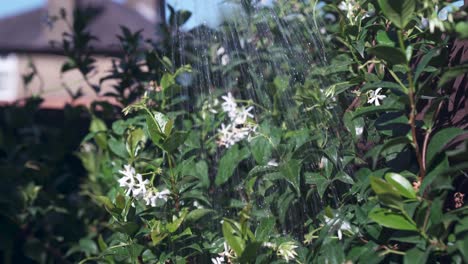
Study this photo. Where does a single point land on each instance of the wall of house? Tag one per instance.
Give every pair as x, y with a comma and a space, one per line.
52, 85
9, 78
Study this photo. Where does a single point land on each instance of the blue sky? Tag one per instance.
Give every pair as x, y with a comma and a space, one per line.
204, 11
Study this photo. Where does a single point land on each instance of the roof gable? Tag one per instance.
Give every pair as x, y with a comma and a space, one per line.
25, 32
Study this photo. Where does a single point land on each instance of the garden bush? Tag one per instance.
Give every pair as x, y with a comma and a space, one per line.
307, 132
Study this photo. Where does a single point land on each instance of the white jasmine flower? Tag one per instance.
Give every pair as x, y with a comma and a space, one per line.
227, 251
287, 251
229, 104
434, 22
217, 260
128, 181
220, 51
272, 163
242, 114
139, 189
150, 198
239, 134
225, 60
269, 245
197, 205
359, 130
223, 255
374, 97
226, 136
164, 194
350, 7
128, 171
87, 147
238, 129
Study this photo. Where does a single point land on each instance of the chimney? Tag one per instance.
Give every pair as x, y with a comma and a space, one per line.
153, 10
54, 28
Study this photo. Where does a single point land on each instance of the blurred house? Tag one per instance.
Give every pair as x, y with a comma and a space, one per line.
25, 47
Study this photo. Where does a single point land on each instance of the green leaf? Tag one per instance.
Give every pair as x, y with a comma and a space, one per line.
98, 127
424, 61
168, 127
435, 175
196, 214
250, 252
120, 201
234, 241
133, 140
166, 81
379, 186
403, 186
117, 147
291, 172
383, 39
320, 181
174, 141
89, 246
462, 29
452, 73
416, 255
362, 111
462, 245
439, 140
390, 219
201, 172
156, 237
389, 54
261, 150
383, 84
229, 162
101, 243
386, 193
154, 130
129, 228
161, 120
105, 201
264, 229
281, 83
400, 12
343, 177
176, 222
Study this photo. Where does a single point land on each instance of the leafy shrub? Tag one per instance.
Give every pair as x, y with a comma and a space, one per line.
253, 144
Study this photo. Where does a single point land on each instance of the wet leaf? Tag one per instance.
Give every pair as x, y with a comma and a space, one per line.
391, 219
401, 184
228, 163
439, 140
400, 12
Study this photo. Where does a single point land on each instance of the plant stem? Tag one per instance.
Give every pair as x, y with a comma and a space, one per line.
173, 181
412, 116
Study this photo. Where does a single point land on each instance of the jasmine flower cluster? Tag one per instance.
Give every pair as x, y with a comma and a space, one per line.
140, 189
238, 128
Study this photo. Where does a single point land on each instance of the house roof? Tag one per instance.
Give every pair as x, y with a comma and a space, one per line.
24, 32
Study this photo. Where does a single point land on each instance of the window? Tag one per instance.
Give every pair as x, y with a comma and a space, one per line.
8, 77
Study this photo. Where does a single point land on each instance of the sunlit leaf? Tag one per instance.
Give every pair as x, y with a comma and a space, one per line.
391, 219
